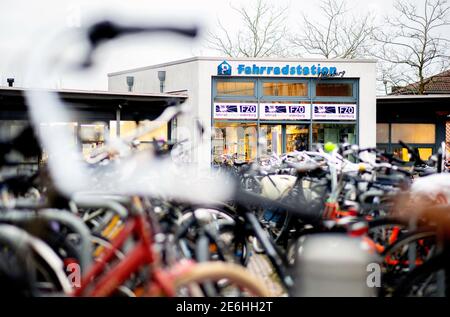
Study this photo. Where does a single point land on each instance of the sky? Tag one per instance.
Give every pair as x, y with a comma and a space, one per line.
24, 24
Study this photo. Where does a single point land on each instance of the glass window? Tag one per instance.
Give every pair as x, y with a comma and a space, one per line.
425, 153
57, 128
334, 90
336, 133
403, 154
382, 132
94, 132
234, 140
92, 136
271, 142
11, 128
235, 88
413, 133
127, 127
285, 89
297, 137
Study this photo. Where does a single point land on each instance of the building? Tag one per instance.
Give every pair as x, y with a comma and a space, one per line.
435, 85
256, 107
97, 115
423, 121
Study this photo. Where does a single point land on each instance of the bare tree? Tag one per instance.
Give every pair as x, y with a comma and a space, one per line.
340, 35
412, 44
261, 35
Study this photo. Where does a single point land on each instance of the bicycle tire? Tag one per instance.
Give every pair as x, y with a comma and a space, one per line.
214, 271
432, 266
408, 238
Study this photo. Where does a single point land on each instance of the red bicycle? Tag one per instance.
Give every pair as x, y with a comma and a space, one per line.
161, 281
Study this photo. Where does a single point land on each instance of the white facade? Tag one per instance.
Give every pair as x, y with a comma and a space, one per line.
195, 75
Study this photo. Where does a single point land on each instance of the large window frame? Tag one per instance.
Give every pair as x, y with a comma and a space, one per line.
391, 146
310, 98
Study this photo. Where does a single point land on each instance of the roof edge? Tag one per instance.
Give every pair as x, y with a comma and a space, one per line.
179, 94
387, 97
221, 58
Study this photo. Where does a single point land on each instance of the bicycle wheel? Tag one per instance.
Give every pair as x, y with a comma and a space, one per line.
215, 271
228, 243
428, 280
397, 256
386, 231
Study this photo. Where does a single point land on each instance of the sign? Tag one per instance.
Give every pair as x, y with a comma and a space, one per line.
235, 110
334, 112
276, 111
224, 69
283, 111
283, 70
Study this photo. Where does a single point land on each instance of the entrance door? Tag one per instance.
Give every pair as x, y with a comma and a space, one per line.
233, 139
333, 132
297, 137
271, 141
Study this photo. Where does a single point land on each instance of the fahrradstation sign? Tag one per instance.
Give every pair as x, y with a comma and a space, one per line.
234, 68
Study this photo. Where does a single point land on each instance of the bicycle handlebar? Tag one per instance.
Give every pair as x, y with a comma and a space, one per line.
108, 30
303, 167
307, 213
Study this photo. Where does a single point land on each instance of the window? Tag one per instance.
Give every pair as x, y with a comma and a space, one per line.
382, 132
271, 141
416, 133
235, 88
93, 133
128, 127
58, 128
237, 140
11, 128
403, 154
334, 90
336, 133
91, 136
285, 89
297, 137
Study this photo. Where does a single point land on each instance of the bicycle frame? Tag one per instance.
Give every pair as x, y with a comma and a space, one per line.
141, 255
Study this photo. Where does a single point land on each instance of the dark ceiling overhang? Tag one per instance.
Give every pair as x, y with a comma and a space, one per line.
94, 104
425, 108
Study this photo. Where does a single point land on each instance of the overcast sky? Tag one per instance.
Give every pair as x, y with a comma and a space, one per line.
23, 23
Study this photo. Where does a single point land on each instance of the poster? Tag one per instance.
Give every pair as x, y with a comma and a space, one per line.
277, 111
334, 112
231, 110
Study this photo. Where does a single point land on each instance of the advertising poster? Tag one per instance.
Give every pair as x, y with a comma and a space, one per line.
274, 111
334, 112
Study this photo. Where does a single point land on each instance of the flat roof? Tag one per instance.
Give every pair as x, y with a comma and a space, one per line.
222, 58
92, 104
399, 97
96, 94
